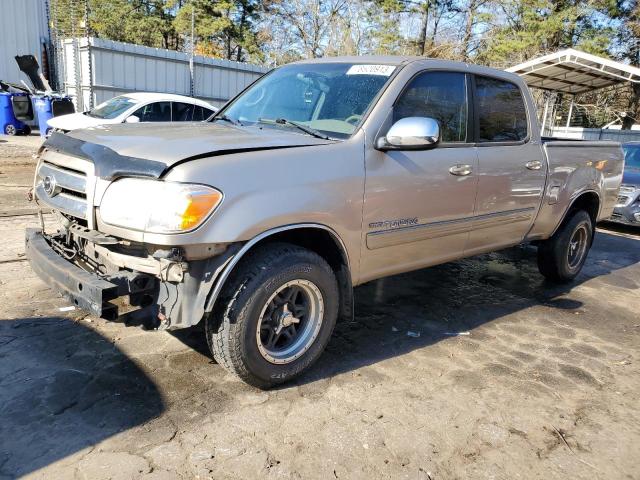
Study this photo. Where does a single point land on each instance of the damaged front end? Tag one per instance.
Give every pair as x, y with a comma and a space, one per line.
104, 273
113, 278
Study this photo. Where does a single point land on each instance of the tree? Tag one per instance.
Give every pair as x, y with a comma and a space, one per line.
224, 28
523, 29
627, 13
308, 24
143, 22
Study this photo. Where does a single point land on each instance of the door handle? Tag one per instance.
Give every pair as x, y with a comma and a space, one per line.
461, 170
534, 165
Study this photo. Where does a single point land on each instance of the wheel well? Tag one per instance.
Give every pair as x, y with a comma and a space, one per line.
327, 245
589, 202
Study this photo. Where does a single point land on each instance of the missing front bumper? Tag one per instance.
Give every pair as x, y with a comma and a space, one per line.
163, 303
84, 289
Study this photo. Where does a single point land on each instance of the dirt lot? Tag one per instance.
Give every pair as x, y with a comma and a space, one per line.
475, 369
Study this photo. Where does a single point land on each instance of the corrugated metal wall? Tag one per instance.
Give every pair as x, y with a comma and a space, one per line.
23, 30
118, 68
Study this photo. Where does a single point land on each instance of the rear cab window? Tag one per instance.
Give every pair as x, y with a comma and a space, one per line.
501, 111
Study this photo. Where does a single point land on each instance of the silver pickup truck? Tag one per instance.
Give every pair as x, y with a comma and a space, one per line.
320, 176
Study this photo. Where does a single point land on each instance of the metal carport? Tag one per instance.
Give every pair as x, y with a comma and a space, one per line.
572, 72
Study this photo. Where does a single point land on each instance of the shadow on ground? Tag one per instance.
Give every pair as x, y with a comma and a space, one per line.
399, 314
63, 388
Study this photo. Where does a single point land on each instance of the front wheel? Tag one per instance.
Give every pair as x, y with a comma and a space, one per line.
561, 257
275, 315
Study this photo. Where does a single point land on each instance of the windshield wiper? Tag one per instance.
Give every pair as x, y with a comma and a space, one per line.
226, 119
299, 126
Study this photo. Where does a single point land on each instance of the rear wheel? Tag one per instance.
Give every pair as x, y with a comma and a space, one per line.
561, 257
275, 315
10, 129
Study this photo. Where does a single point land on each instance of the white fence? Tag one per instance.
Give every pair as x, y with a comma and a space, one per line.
621, 136
96, 70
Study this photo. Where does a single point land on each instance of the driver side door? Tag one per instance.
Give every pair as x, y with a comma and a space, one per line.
419, 204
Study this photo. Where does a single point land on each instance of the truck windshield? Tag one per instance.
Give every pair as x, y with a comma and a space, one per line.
112, 108
631, 157
327, 98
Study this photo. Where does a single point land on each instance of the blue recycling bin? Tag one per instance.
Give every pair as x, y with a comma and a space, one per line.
49, 106
8, 121
42, 104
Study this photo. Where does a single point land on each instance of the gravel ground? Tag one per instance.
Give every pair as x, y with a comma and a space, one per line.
474, 369
16, 172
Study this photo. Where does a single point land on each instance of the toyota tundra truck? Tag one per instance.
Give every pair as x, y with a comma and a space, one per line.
320, 176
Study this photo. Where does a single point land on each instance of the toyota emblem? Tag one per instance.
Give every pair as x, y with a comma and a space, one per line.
49, 185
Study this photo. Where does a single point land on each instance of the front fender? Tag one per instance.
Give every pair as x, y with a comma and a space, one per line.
233, 262
266, 190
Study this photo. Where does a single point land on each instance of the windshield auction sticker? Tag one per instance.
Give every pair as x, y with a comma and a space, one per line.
384, 70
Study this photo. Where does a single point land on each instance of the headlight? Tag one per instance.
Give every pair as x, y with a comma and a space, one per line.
157, 207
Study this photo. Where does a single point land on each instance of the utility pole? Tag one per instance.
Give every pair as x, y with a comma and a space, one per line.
89, 60
80, 106
191, 72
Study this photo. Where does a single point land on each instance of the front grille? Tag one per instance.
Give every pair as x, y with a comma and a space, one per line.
62, 183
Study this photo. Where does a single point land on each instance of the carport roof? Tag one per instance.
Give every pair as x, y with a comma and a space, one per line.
573, 71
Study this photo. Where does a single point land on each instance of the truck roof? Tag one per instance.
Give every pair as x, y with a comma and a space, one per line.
366, 59
401, 60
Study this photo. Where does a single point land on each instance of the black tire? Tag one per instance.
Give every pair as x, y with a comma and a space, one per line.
232, 328
561, 257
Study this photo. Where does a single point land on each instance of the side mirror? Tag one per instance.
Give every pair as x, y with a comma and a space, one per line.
132, 119
411, 133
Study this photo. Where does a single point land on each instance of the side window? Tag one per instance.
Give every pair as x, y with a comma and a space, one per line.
441, 96
501, 111
181, 112
201, 113
155, 112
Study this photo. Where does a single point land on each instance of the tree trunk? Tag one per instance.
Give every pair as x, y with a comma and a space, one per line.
468, 30
241, 31
633, 111
422, 40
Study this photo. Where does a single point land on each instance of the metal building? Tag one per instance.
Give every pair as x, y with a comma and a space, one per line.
23, 31
94, 70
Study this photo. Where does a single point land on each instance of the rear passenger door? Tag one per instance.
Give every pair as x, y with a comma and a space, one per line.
511, 169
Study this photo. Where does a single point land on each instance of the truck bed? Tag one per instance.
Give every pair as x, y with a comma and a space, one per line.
576, 167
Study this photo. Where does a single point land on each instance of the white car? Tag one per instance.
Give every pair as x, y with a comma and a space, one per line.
137, 107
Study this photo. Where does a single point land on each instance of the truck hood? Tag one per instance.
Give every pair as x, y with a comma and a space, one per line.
151, 149
631, 176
